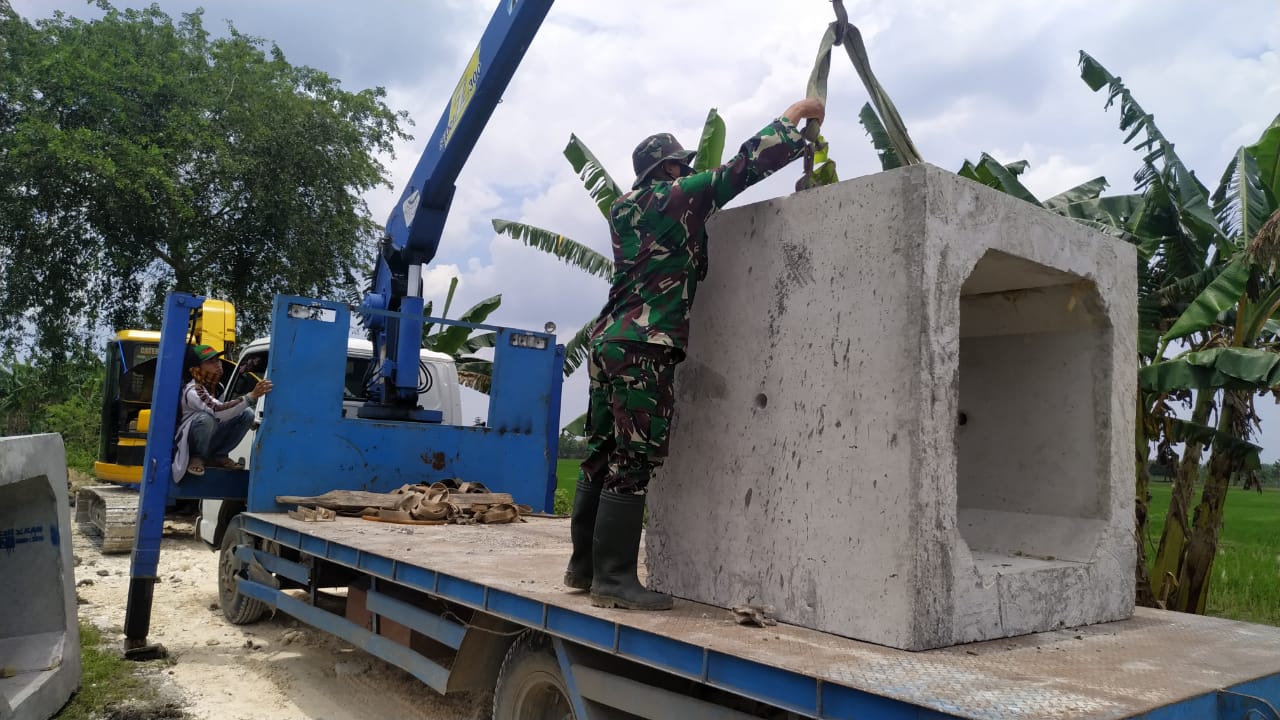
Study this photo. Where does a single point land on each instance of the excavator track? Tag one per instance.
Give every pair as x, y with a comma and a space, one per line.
109, 512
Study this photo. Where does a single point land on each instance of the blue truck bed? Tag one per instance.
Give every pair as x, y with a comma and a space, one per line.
1159, 665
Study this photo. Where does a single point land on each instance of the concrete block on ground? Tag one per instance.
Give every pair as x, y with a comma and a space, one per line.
39, 634
906, 417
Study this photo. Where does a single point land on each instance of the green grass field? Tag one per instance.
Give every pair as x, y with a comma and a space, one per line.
567, 475
1246, 573
566, 479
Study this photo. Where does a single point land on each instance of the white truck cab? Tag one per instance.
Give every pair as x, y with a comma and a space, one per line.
437, 376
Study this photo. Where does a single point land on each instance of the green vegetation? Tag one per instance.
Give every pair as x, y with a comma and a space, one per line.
566, 478
1246, 572
60, 398
567, 474
144, 153
108, 680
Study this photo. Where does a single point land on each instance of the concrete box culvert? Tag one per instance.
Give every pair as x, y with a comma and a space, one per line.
39, 634
942, 456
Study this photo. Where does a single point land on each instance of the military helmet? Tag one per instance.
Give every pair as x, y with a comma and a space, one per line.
655, 150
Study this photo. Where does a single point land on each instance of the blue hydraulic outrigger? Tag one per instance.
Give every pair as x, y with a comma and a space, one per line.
520, 440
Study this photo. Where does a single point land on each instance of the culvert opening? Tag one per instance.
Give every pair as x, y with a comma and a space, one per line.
1034, 415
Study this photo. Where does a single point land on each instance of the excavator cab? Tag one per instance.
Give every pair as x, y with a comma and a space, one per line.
126, 392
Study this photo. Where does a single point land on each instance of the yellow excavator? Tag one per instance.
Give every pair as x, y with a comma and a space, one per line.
110, 510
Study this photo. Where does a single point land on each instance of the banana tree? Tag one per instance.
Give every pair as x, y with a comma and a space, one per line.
458, 341
1237, 311
1216, 259
603, 190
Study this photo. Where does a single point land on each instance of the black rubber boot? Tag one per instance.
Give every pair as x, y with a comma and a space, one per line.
582, 526
617, 543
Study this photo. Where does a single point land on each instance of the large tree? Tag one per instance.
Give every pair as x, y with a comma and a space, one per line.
140, 154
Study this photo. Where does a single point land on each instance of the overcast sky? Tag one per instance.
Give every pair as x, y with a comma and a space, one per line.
999, 76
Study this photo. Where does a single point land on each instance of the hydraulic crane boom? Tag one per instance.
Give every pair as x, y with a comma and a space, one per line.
414, 228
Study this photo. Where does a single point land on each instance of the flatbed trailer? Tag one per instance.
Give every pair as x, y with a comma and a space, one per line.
481, 607
477, 607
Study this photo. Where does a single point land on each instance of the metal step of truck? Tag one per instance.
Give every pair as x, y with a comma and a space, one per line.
109, 512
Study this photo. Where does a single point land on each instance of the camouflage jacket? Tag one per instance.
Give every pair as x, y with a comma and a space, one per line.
660, 240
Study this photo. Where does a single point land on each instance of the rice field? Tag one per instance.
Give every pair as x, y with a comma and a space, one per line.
1246, 573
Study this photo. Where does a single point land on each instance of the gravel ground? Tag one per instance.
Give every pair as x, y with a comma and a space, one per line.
276, 669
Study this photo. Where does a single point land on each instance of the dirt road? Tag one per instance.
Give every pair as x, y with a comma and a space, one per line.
277, 669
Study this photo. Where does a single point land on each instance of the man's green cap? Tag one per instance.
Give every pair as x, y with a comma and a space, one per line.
204, 352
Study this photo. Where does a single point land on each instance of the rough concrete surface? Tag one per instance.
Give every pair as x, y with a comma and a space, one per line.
39, 635
905, 417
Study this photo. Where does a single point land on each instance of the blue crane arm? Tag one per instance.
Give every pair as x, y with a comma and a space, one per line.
418, 218
417, 221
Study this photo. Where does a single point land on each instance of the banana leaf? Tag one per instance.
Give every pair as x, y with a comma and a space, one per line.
1116, 211
475, 343
1271, 328
448, 298
1241, 202
595, 178
577, 427
577, 349
1221, 295
573, 253
428, 310
1176, 250
991, 173
1180, 185
1178, 430
452, 339
1186, 288
1089, 190
1257, 315
1149, 313
880, 140
1229, 368
476, 373
1267, 153
711, 144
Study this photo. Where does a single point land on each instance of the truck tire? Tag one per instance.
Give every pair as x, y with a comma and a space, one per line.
226, 513
238, 609
529, 685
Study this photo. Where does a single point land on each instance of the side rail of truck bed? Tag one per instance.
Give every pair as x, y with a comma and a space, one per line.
480, 607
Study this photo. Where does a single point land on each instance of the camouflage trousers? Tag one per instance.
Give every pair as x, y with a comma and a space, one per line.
628, 413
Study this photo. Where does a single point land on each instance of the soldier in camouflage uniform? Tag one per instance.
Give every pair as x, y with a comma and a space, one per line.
660, 254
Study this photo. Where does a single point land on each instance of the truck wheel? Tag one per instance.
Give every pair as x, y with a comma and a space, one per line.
226, 514
238, 609
530, 686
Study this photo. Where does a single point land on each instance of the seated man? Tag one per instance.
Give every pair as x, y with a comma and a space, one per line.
208, 430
